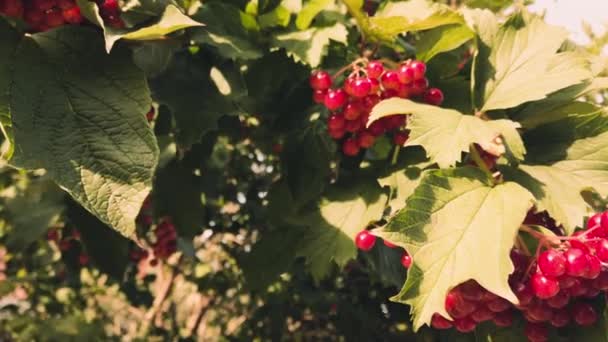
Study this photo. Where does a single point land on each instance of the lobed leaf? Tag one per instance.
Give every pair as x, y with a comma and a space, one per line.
523, 65
85, 126
446, 133
443, 227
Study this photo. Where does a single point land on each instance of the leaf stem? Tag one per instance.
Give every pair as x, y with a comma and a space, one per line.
360, 17
479, 161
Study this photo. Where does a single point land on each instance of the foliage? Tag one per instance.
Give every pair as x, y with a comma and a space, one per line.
166, 174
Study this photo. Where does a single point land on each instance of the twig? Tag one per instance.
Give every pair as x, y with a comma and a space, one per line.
159, 300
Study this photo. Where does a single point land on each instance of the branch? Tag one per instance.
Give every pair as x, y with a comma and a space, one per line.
159, 300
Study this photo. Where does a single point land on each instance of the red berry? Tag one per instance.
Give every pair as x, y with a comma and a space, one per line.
439, 322
576, 262
393, 121
361, 87
12, 8
539, 311
377, 128
72, 15
353, 125
601, 250
559, 301
465, 325
560, 318
335, 99
65, 245
601, 220
406, 260
320, 80
499, 305
390, 93
405, 73
419, 69
543, 286
83, 259
482, 314
524, 294
536, 332
350, 147
374, 69
375, 86
335, 122
52, 235
419, 86
54, 18
43, 5
318, 96
370, 101
400, 138
584, 314
34, 17
433, 96
352, 110
594, 267
504, 319
366, 139
552, 263
601, 282
365, 241
471, 290
390, 80
578, 289
111, 7
65, 4
337, 133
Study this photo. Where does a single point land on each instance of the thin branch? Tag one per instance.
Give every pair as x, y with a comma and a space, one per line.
159, 300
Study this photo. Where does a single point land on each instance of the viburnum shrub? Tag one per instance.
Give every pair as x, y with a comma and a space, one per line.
258, 170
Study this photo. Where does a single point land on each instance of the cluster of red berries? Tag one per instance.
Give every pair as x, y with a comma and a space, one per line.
67, 241
368, 84
554, 288
365, 241
43, 15
165, 242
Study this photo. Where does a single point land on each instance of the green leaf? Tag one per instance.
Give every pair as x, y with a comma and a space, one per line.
309, 12
556, 191
112, 255
442, 39
177, 193
415, 15
524, 65
226, 30
9, 39
85, 125
31, 211
194, 99
402, 183
153, 58
443, 227
558, 105
265, 262
310, 46
565, 172
172, 20
446, 133
280, 16
330, 232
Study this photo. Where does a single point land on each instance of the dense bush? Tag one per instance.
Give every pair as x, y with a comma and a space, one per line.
300, 170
